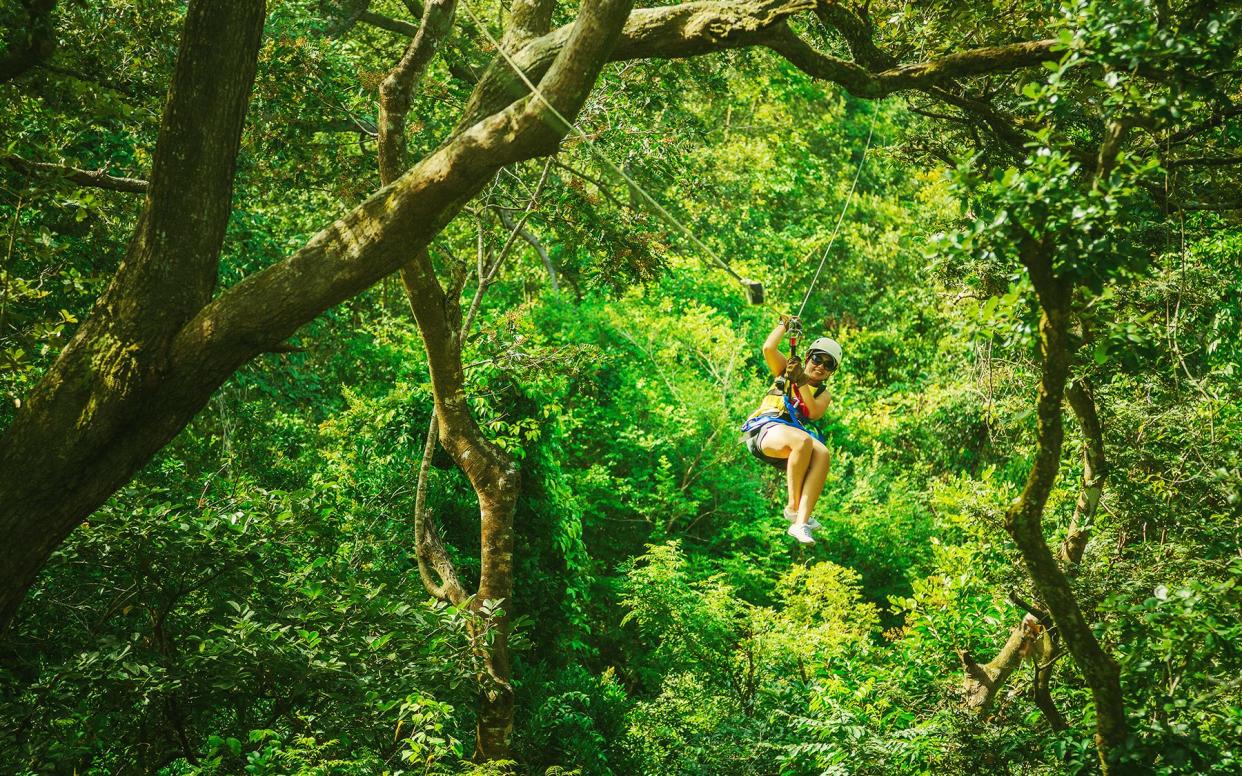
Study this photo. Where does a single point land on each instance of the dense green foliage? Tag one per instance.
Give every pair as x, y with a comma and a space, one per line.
250, 602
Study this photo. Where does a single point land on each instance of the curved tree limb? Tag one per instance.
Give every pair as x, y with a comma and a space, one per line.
398, 87
984, 681
343, 15
1024, 519
435, 568
492, 472
706, 26
857, 30
861, 82
98, 179
399, 26
1094, 471
684, 30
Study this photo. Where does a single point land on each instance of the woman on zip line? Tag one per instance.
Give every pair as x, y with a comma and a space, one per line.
776, 432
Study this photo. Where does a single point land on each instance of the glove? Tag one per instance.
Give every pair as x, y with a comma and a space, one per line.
788, 321
793, 368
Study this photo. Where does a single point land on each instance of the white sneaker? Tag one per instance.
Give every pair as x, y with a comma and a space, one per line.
811, 523
802, 533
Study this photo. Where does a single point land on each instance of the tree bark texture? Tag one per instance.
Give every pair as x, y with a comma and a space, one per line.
398, 87
97, 415
494, 476
157, 345
1030, 640
1081, 397
1024, 519
984, 681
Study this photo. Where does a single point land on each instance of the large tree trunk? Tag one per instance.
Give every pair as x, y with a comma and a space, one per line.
494, 476
1024, 519
95, 418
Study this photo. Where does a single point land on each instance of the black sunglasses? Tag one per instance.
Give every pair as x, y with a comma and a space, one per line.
823, 359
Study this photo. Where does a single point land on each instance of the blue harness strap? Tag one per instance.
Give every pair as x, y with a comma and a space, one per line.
792, 421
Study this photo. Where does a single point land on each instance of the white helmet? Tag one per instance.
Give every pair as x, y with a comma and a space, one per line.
829, 346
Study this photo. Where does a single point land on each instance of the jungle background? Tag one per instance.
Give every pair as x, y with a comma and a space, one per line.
250, 601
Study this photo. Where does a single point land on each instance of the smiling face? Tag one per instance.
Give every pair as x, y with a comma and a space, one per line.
818, 366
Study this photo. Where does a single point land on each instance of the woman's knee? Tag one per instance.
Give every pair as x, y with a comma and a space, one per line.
821, 450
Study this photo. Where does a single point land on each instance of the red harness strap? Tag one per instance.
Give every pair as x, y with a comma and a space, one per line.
799, 402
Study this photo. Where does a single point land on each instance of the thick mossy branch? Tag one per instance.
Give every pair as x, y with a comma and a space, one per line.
862, 82
1024, 521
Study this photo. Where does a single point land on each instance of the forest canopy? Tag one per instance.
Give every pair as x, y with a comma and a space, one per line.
372, 376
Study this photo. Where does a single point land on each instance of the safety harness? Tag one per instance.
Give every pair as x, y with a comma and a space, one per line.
795, 413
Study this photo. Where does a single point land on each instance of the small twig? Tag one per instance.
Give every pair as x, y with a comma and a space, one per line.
603, 189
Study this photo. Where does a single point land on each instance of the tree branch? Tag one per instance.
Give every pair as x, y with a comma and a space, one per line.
398, 26
684, 30
984, 680
857, 30
1023, 521
435, 568
1217, 120
1081, 398
535, 243
398, 87
98, 179
1114, 135
861, 82
1204, 161
96, 80
1014, 137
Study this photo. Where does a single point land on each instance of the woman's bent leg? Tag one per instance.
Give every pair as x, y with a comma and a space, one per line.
798, 448
813, 484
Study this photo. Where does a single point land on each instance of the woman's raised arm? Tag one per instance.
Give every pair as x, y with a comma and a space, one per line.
775, 359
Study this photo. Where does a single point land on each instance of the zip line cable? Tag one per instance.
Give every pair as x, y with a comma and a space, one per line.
754, 289
668, 217
849, 198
